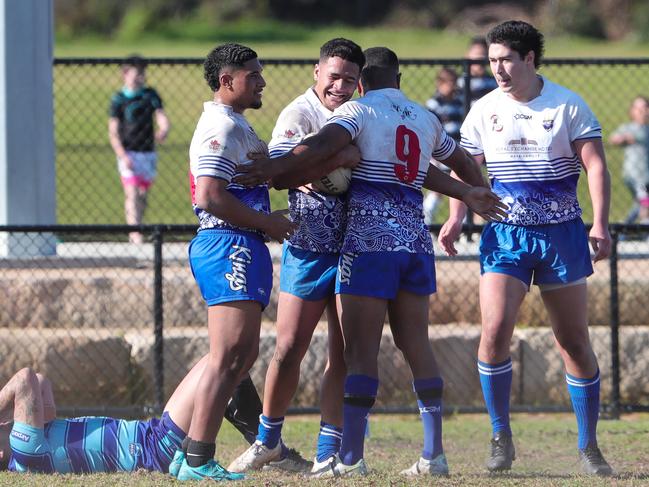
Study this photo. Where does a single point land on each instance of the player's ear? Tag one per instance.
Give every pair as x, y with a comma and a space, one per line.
316, 71
529, 58
399, 80
225, 79
361, 91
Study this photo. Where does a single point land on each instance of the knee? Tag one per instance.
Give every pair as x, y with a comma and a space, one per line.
237, 359
578, 349
494, 340
289, 352
24, 378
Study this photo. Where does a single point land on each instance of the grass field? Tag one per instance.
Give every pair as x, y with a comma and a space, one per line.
546, 454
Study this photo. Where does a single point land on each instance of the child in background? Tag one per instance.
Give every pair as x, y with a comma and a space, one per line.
634, 137
448, 106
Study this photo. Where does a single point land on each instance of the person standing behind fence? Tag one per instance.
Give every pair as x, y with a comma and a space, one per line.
634, 137
228, 256
535, 136
448, 107
482, 82
132, 137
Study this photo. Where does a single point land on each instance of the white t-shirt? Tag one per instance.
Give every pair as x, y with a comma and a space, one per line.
221, 141
528, 149
397, 138
320, 217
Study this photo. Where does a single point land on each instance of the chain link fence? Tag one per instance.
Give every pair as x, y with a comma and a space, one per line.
116, 325
88, 185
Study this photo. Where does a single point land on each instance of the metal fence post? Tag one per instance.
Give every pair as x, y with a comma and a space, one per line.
466, 93
158, 344
614, 409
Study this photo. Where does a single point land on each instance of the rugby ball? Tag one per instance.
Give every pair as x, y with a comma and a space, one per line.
336, 182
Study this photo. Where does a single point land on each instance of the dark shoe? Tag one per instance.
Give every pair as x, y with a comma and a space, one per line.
502, 453
593, 463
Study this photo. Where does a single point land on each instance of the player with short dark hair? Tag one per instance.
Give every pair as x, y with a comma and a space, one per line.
535, 136
386, 263
228, 256
309, 261
131, 132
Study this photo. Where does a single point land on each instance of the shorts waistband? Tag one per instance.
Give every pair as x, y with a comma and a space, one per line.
229, 231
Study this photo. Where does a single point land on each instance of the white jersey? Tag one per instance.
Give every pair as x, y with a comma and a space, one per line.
320, 217
396, 138
221, 141
529, 152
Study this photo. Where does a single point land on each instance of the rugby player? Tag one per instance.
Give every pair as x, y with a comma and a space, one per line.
386, 260
535, 136
228, 257
309, 261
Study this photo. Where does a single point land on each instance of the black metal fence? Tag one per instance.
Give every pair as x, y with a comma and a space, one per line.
117, 325
88, 186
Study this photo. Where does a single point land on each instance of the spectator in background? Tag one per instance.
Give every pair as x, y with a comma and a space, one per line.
482, 82
448, 107
634, 137
131, 133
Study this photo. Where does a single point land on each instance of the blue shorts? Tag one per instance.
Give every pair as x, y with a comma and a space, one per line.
231, 266
384, 274
308, 275
95, 444
546, 254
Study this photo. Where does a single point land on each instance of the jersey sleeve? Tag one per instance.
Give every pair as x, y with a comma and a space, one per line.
115, 108
350, 116
156, 101
218, 152
291, 127
471, 133
444, 144
582, 122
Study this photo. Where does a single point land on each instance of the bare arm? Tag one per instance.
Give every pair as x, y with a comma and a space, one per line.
311, 156
480, 199
113, 137
213, 197
162, 121
452, 228
21, 399
347, 157
591, 153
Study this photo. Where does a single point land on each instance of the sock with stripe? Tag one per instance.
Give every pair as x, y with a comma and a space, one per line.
360, 394
270, 430
199, 453
584, 394
429, 400
329, 440
496, 382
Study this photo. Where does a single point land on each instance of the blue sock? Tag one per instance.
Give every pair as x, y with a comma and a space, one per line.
360, 394
270, 430
429, 400
496, 382
329, 441
584, 394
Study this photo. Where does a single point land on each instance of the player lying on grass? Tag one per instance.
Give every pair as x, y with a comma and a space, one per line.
33, 439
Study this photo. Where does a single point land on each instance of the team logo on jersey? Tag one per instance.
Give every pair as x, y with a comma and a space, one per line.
135, 449
405, 112
241, 258
548, 124
496, 124
289, 134
215, 145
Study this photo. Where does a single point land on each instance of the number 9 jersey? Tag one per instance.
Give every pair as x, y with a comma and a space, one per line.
397, 138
